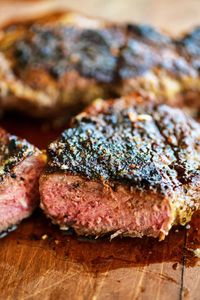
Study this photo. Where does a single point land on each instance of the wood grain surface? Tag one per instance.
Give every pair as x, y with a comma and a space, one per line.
37, 261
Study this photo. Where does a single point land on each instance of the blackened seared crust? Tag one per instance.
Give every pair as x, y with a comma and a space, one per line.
101, 52
104, 54
189, 45
12, 152
59, 50
147, 49
133, 141
76, 59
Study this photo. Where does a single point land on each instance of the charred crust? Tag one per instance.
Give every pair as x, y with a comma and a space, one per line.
12, 151
189, 46
146, 145
91, 52
149, 33
147, 49
107, 54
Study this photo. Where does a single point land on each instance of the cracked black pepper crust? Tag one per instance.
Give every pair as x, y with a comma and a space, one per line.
12, 151
132, 141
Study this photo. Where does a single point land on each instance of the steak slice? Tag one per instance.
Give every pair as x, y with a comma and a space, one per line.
63, 61
20, 168
126, 167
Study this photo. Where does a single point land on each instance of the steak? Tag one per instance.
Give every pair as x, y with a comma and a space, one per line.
61, 62
126, 167
20, 168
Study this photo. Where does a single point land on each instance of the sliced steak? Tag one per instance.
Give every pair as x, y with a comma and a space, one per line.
61, 62
126, 167
20, 168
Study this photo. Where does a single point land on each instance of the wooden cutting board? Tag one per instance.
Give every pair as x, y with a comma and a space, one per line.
37, 261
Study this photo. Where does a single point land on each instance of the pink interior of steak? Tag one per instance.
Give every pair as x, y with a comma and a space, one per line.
19, 196
93, 208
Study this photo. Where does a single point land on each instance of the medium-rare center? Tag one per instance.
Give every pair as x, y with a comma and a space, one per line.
125, 167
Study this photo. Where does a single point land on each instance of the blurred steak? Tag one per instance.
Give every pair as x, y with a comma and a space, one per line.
63, 61
20, 168
125, 167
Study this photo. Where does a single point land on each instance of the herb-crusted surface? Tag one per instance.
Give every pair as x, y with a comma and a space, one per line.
130, 141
